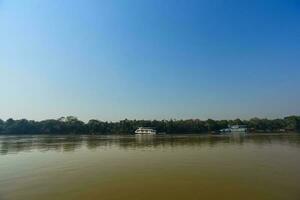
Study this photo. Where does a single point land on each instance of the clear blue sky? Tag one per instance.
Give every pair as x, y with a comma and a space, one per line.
149, 59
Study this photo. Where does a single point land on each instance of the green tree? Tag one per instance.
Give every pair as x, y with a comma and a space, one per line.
1, 126
292, 123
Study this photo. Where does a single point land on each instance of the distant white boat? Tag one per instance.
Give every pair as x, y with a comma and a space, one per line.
145, 131
235, 129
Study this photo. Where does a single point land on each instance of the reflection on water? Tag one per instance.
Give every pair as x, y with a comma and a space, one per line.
160, 167
15, 144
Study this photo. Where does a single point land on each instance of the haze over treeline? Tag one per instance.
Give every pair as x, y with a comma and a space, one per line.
72, 125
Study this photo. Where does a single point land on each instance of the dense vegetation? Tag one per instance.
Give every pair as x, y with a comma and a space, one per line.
71, 125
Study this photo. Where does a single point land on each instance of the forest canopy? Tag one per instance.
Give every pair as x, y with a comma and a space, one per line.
72, 125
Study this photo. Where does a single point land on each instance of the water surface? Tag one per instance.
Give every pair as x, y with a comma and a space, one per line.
159, 167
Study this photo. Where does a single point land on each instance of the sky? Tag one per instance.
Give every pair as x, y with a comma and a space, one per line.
149, 59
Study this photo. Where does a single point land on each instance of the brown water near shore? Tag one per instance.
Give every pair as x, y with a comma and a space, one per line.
158, 167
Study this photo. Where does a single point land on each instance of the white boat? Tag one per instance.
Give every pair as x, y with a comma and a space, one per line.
239, 128
145, 131
235, 129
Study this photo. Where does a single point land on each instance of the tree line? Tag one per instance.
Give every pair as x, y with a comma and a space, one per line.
72, 125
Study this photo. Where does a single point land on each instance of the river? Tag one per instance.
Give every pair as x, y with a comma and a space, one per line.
256, 166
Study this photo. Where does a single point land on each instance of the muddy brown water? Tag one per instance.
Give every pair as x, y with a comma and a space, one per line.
257, 166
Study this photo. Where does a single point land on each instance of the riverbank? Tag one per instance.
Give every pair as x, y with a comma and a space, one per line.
72, 125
